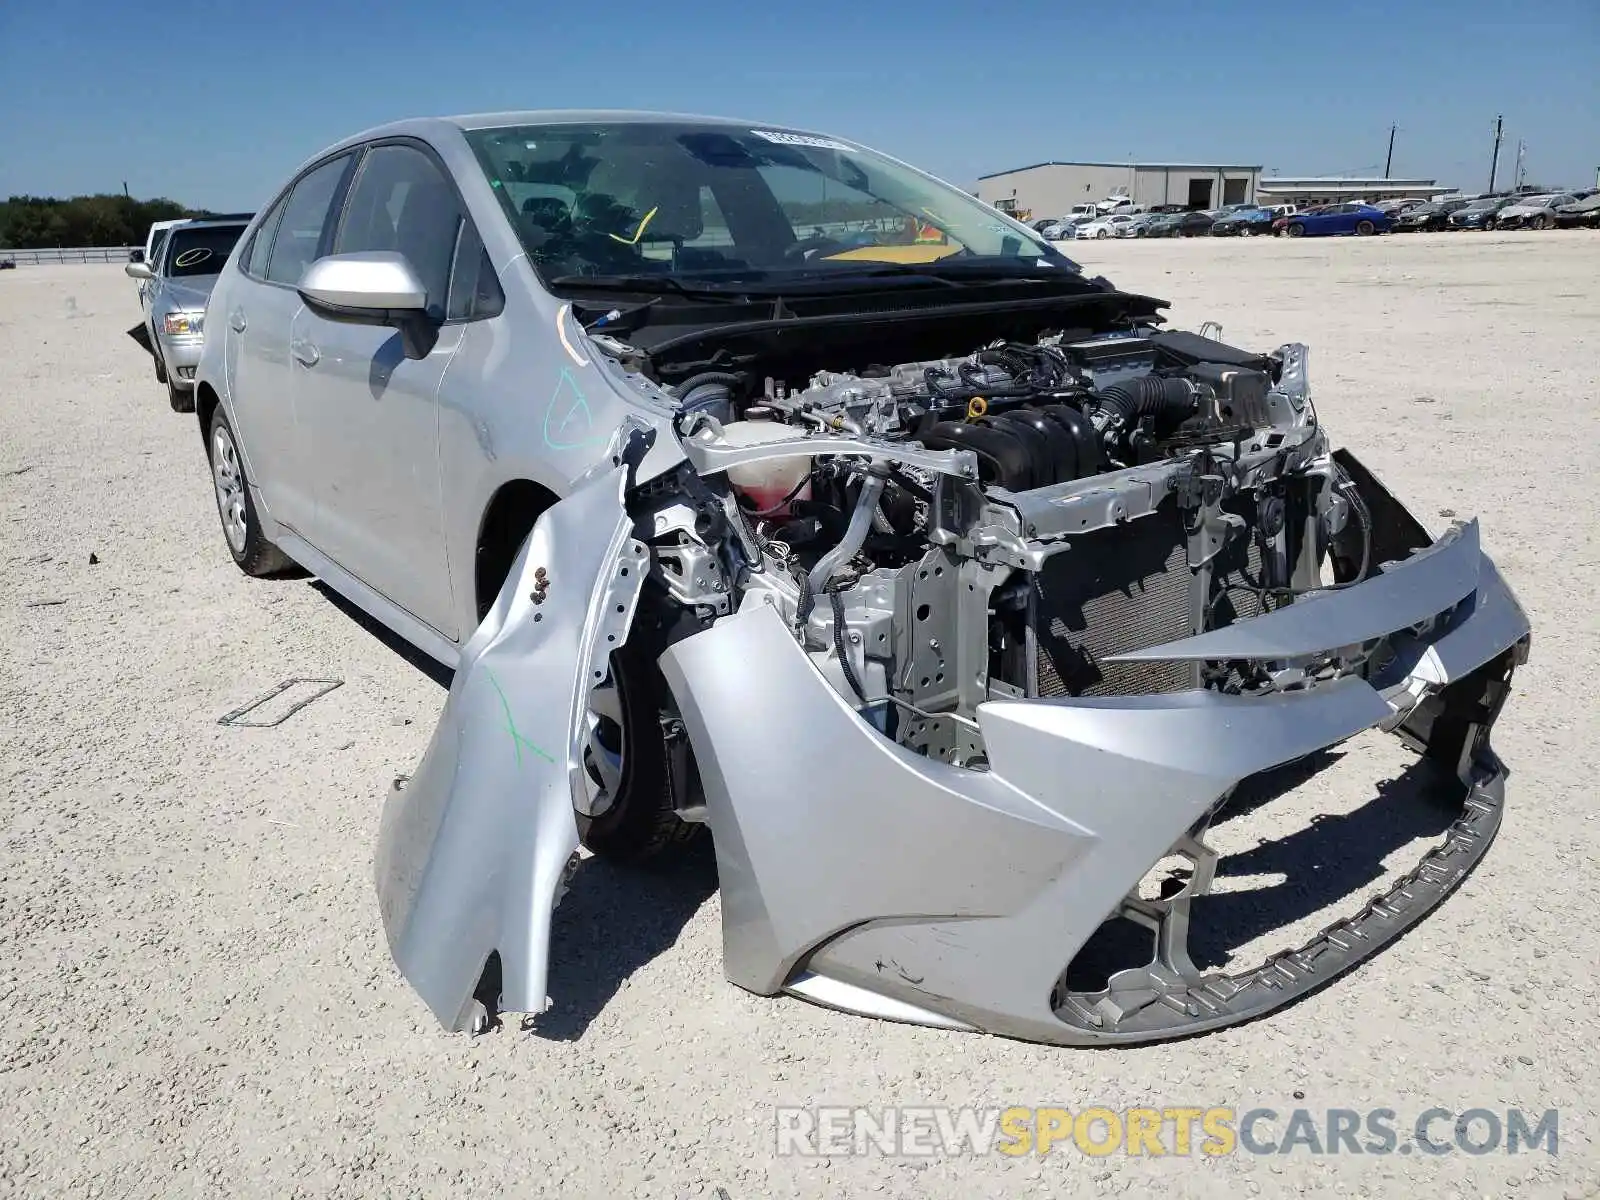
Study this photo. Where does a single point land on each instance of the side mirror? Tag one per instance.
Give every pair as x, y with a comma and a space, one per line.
138, 270
372, 287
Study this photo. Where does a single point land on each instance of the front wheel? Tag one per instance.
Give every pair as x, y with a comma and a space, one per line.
628, 767
240, 526
1542, 221
1100, 233
1295, 231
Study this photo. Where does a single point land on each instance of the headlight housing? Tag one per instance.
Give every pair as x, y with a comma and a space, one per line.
178, 324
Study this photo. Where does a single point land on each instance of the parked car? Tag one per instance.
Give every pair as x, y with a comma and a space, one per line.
1535, 212
1138, 227
152, 239
1243, 221
1585, 213
174, 289
1336, 219
1118, 203
1103, 227
1180, 224
1393, 208
460, 371
1431, 216
1480, 213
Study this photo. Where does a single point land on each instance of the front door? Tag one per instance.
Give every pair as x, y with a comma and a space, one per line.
369, 414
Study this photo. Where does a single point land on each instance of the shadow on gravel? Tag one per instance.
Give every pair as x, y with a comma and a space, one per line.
431, 667
1332, 863
611, 922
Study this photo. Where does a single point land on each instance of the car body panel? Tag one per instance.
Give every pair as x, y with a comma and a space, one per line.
473, 848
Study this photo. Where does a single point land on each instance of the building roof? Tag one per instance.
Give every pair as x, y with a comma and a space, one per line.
1341, 180
1132, 166
1285, 185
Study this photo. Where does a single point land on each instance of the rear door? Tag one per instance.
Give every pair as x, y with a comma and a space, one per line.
369, 414
259, 310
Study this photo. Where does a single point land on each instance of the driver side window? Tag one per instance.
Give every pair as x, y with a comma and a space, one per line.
402, 202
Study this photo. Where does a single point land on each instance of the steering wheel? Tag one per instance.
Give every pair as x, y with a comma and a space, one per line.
811, 247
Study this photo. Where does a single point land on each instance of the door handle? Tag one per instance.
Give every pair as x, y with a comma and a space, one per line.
305, 352
236, 320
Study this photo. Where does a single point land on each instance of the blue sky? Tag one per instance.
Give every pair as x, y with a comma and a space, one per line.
213, 104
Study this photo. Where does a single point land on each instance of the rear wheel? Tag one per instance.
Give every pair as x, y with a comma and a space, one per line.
240, 525
1366, 228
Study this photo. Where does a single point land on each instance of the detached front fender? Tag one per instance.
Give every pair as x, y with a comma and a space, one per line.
473, 850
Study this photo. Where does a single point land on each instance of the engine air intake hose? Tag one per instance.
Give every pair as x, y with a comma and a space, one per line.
1147, 396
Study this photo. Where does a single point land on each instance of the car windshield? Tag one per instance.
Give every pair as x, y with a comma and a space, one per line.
690, 200
201, 251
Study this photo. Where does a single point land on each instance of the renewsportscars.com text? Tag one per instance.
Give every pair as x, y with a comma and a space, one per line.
1176, 1130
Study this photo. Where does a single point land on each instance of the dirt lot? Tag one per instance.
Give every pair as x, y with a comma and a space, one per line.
197, 993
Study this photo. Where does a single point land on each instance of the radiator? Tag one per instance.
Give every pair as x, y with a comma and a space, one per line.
1127, 588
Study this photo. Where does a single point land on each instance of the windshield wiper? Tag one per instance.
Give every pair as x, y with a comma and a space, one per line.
649, 285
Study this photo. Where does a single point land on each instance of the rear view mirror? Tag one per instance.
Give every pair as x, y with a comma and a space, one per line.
372, 287
138, 270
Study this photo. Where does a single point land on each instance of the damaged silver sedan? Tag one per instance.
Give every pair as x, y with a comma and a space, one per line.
751, 479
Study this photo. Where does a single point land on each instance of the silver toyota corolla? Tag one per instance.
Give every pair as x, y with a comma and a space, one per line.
173, 289
750, 478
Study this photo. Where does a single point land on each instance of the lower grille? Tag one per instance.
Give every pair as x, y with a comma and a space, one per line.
1116, 590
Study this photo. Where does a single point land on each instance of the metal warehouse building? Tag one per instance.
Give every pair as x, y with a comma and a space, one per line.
1050, 189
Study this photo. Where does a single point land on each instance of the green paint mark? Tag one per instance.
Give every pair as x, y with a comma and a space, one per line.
517, 740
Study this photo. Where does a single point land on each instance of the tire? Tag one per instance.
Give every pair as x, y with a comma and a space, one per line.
1365, 229
181, 399
1294, 230
1542, 221
640, 823
241, 528
1100, 233
161, 367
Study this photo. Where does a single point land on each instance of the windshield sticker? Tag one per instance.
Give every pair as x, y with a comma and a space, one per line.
192, 258
799, 139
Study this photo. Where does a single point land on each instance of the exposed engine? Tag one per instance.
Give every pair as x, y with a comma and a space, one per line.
1034, 415
922, 593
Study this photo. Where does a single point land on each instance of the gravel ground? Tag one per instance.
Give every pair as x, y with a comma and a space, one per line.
198, 996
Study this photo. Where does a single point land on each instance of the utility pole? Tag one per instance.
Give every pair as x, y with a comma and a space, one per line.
1389, 161
1522, 147
1494, 162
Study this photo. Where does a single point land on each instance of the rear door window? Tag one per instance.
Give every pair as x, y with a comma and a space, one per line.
305, 213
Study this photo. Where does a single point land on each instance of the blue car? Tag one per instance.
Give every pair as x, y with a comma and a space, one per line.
1355, 218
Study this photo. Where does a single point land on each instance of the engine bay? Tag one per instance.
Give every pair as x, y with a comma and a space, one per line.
1008, 523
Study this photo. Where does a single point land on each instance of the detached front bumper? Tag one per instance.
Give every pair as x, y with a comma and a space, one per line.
902, 887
